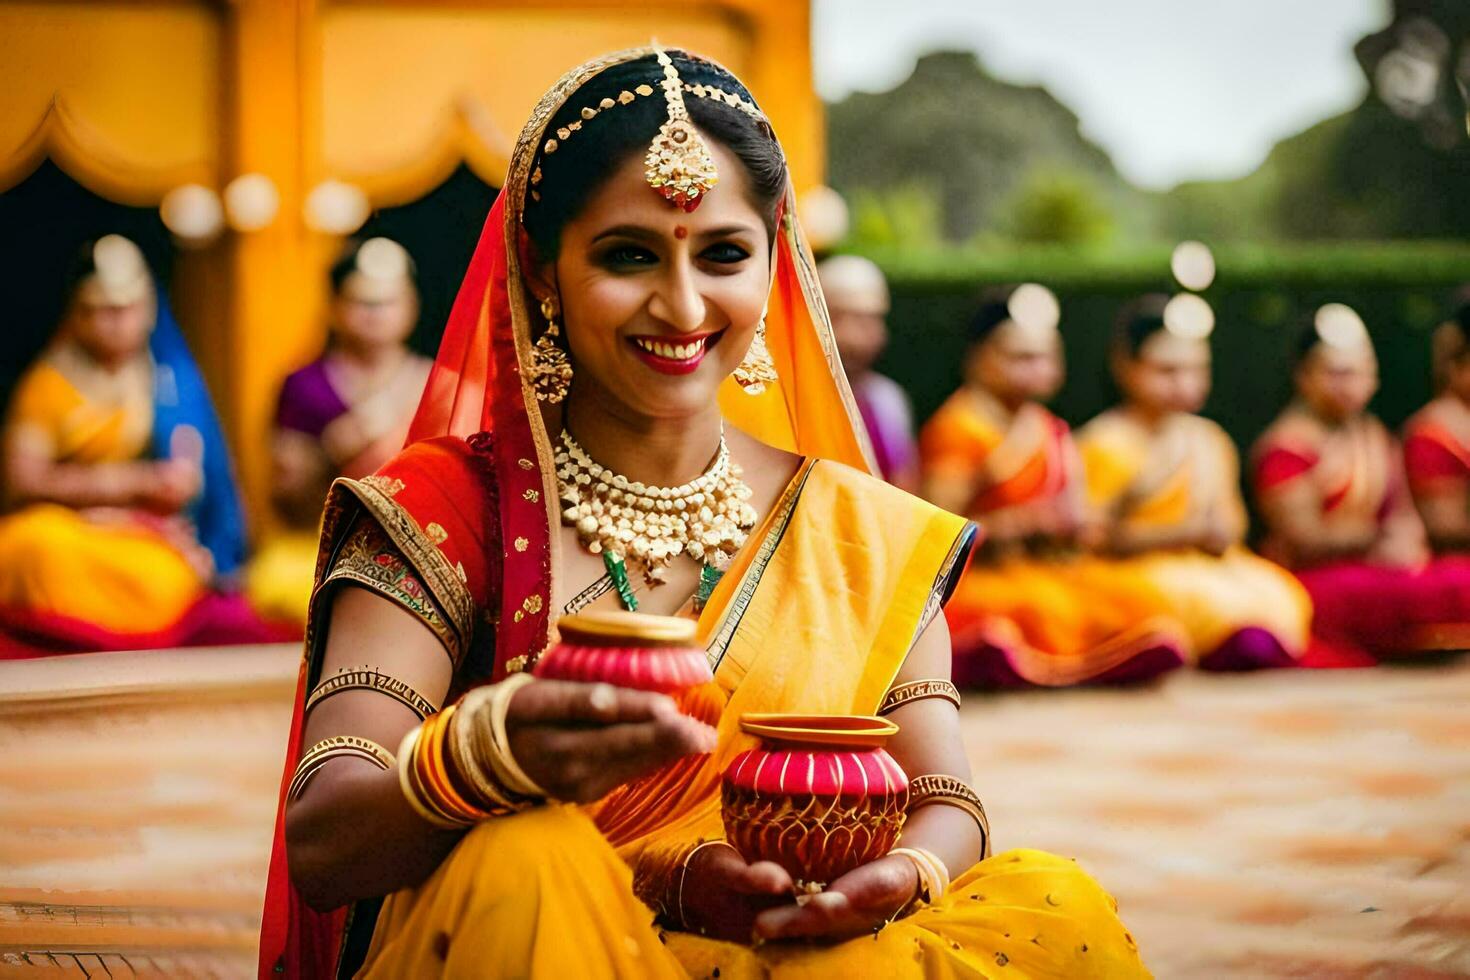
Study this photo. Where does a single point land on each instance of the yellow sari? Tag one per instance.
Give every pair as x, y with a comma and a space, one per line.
105, 568
817, 612
553, 878
1239, 610
1051, 619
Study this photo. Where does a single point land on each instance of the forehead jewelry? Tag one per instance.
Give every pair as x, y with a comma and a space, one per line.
678, 165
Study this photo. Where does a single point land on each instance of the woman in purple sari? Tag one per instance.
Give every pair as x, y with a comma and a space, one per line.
344, 414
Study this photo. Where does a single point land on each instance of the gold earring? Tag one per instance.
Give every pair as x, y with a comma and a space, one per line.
551, 369
756, 369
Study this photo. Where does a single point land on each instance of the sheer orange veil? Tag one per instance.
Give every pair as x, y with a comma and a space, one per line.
476, 389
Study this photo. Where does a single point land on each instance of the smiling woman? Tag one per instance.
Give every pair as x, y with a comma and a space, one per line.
692, 450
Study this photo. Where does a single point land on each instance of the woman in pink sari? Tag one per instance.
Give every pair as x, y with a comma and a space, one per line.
344, 414
1330, 483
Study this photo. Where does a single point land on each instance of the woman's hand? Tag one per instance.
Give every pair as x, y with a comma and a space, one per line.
856, 904
579, 741
722, 895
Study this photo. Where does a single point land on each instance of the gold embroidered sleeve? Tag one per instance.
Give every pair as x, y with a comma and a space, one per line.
368, 558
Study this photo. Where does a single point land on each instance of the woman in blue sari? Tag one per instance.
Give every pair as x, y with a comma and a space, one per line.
122, 525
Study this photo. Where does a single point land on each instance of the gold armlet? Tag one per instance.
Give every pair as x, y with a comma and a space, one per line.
371, 679
917, 691
951, 791
338, 746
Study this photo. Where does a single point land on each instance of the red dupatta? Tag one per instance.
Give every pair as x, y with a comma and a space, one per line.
473, 393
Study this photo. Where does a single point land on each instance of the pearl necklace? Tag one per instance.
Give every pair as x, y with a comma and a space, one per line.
707, 518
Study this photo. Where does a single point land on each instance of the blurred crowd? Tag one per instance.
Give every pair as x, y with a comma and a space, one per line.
1113, 553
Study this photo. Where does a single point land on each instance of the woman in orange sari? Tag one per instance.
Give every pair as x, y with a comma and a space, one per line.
642, 298
1163, 487
1330, 482
1033, 609
344, 414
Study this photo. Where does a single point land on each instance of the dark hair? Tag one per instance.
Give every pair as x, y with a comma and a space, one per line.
989, 315
346, 264
1137, 321
587, 158
1460, 322
1307, 340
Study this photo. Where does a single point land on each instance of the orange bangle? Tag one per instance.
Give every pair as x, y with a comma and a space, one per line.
437, 782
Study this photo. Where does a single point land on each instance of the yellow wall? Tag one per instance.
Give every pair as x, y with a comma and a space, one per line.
390, 96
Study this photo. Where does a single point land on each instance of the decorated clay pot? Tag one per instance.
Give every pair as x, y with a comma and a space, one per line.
647, 653
819, 796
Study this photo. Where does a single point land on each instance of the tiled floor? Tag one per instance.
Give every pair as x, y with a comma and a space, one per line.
1290, 825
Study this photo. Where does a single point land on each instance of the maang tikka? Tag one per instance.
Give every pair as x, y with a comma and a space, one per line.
679, 165
551, 369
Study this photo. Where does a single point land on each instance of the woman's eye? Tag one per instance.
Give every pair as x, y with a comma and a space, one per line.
625, 255
725, 253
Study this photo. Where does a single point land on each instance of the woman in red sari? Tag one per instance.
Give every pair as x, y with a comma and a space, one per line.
1437, 442
640, 297
1330, 483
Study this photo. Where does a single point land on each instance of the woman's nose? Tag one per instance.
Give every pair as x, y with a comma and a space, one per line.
678, 301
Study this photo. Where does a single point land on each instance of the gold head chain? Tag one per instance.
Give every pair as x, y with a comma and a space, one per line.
679, 164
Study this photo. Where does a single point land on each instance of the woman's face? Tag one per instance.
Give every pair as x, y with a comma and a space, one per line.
1168, 374
374, 313
659, 304
1018, 364
106, 329
1338, 382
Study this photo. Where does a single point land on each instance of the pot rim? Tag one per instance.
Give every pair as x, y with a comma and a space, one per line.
868, 731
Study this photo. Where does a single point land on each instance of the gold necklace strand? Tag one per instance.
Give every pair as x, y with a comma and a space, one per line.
707, 518
371, 679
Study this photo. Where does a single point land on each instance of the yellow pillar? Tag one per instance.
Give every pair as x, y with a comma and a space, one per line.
276, 272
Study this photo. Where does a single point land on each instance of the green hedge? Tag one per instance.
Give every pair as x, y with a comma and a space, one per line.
1261, 295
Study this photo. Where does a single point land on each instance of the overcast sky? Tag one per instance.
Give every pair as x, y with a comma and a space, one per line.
1172, 89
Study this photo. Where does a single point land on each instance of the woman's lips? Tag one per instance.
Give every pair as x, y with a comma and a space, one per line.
672, 355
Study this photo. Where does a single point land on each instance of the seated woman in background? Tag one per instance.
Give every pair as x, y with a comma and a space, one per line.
121, 505
344, 414
1163, 489
1437, 442
857, 301
1032, 608
1330, 484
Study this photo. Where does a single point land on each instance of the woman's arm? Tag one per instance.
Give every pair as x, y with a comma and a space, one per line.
1446, 514
1291, 511
352, 835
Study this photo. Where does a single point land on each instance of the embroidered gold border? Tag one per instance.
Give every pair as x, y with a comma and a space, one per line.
433, 568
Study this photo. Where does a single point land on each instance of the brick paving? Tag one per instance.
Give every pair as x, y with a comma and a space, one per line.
1300, 824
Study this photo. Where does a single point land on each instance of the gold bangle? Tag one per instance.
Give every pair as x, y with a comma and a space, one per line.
684, 873
406, 750
459, 748
917, 691
336, 746
952, 791
933, 873
371, 679
509, 773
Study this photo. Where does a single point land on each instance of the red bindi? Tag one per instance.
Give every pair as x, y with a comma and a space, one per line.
680, 232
